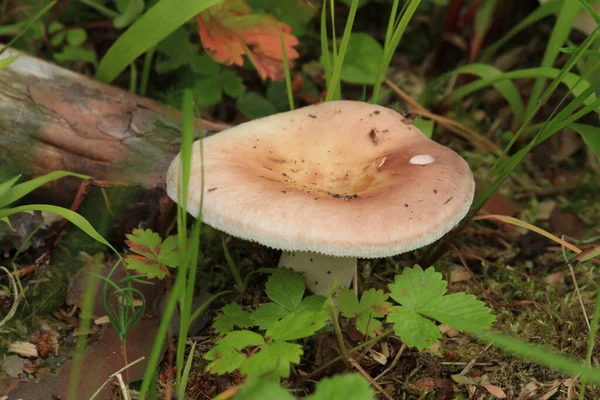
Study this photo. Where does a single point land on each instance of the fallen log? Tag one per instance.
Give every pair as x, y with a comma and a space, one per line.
54, 119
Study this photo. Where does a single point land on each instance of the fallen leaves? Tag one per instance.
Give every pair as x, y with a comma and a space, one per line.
230, 30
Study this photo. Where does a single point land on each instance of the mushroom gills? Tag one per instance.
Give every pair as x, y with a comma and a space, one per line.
319, 270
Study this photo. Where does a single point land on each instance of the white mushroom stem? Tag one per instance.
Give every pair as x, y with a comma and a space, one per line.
320, 271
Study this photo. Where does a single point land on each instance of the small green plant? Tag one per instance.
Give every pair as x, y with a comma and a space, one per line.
291, 316
152, 255
367, 312
339, 387
70, 42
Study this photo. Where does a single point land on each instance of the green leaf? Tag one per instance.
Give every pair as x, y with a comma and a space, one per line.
348, 303
134, 9
461, 311
277, 95
168, 254
226, 356
297, 325
207, 91
144, 242
416, 288
175, 51
372, 305
5, 62
74, 53
266, 314
413, 329
422, 292
232, 84
425, 125
312, 303
286, 288
232, 315
262, 389
156, 24
272, 359
76, 37
146, 267
202, 64
296, 13
343, 387
590, 135
254, 106
362, 61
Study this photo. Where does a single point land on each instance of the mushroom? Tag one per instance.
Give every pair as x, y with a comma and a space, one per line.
329, 183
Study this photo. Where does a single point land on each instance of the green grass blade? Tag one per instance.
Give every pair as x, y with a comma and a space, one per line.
5, 62
239, 282
152, 27
588, 9
18, 191
541, 355
543, 11
325, 55
29, 24
146, 70
590, 135
394, 33
286, 69
179, 288
6, 185
186, 372
591, 341
574, 82
89, 294
334, 86
484, 71
560, 34
71, 216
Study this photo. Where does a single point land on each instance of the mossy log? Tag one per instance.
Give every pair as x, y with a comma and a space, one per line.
54, 119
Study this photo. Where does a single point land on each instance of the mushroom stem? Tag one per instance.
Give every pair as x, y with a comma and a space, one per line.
320, 271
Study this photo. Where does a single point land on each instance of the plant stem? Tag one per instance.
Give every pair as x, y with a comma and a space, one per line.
146, 70
348, 353
107, 12
338, 330
590, 349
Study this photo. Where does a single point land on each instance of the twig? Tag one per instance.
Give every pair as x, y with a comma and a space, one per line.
394, 362
16, 295
459, 129
474, 360
124, 390
587, 320
371, 380
131, 364
349, 352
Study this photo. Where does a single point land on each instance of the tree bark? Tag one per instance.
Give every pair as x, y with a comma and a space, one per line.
54, 119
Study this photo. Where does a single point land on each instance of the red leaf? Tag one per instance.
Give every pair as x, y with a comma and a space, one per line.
230, 30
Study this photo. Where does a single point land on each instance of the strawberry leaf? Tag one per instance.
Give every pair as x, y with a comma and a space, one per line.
372, 305
232, 315
230, 30
152, 255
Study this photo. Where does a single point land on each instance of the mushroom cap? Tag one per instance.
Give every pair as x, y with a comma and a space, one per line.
342, 178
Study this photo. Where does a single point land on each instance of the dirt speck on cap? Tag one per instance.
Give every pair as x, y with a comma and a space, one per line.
373, 136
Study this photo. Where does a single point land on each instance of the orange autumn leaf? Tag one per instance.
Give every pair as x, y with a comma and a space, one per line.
230, 30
